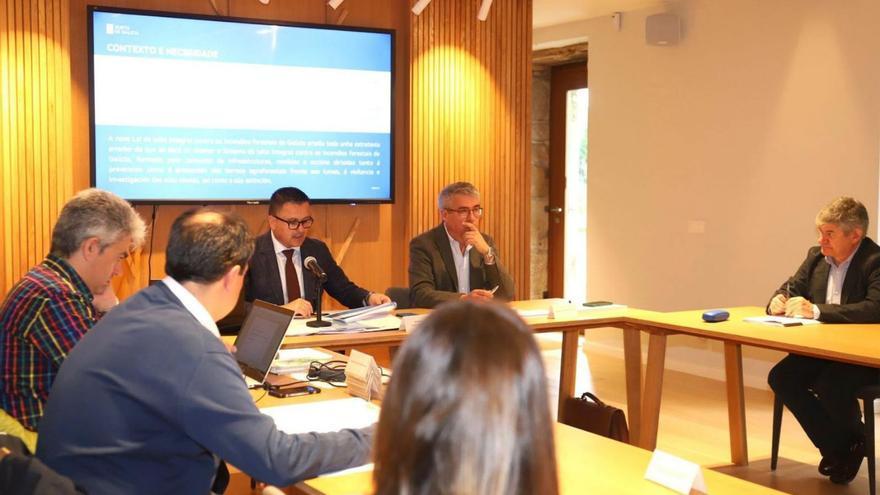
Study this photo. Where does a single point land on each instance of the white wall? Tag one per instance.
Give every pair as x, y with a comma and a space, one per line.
764, 112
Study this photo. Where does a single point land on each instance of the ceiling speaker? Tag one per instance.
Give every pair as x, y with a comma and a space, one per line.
662, 29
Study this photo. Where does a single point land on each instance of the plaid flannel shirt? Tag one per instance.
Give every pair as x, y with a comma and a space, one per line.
43, 316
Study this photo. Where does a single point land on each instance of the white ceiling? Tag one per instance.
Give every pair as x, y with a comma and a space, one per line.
552, 12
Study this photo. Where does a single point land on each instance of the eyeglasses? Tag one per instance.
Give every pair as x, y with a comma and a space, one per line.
294, 224
463, 212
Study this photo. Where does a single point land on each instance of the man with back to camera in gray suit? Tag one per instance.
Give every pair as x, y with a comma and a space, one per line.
151, 401
276, 272
839, 282
455, 260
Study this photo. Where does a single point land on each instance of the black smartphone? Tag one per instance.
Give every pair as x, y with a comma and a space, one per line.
593, 304
283, 392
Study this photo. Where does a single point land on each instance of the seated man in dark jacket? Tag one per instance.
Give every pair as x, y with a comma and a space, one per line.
455, 260
839, 282
277, 273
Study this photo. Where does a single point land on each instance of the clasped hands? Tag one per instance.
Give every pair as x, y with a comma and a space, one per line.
478, 295
791, 306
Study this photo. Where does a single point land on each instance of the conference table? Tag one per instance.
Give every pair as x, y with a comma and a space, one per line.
850, 343
586, 463
847, 343
569, 323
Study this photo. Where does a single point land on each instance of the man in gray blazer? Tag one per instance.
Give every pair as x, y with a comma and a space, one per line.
455, 260
150, 400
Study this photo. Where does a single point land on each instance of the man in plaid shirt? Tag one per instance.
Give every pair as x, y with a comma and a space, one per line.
57, 301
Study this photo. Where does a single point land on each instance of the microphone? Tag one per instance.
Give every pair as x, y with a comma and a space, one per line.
312, 264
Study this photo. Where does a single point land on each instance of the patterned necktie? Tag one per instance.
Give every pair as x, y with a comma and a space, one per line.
293, 291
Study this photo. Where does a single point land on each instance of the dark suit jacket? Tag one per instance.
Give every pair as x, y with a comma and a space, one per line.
264, 282
432, 275
860, 297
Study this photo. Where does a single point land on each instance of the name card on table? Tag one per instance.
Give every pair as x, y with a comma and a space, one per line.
675, 473
363, 376
561, 310
410, 322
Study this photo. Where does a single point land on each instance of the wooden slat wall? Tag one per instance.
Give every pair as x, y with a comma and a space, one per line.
35, 150
470, 118
469, 81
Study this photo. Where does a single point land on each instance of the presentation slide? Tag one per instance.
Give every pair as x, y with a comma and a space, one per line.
188, 109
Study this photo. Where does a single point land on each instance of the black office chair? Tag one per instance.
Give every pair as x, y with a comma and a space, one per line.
231, 323
400, 295
868, 395
23, 474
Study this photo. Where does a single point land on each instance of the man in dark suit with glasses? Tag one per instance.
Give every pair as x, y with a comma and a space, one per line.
277, 274
455, 260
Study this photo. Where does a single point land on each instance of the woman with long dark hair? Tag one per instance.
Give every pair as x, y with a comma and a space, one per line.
466, 411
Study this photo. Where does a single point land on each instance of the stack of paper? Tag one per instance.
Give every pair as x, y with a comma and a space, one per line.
323, 415
290, 361
364, 313
565, 309
781, 321
298, 326
370, 325
411, 322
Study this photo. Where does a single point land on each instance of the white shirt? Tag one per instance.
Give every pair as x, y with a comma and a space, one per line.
462, 263
836, 277
191, 304
282, 262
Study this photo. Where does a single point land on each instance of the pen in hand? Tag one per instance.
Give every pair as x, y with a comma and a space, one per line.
780, 299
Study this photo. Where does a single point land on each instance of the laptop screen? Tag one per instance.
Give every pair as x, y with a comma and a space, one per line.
260, 338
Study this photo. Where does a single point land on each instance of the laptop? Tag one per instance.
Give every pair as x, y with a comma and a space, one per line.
258, 342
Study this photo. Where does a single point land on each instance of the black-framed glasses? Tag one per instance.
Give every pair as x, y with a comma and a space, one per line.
294, 224
463, 212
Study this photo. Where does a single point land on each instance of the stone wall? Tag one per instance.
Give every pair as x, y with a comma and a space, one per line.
540, 177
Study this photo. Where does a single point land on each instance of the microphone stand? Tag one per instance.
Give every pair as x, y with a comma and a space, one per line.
319, 291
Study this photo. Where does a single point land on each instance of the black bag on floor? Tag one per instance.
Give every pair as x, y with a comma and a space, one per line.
591, 414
